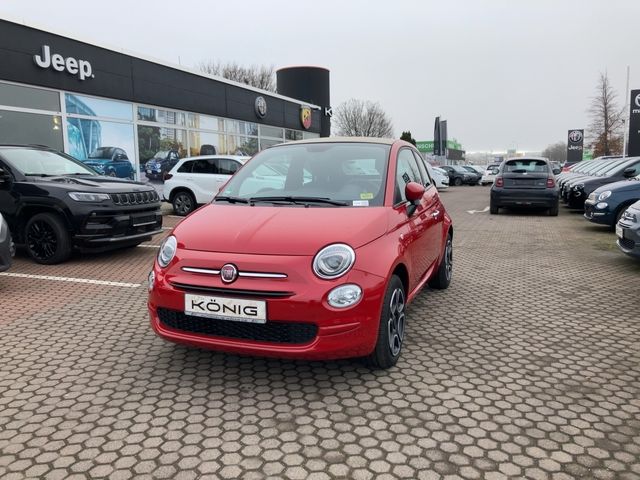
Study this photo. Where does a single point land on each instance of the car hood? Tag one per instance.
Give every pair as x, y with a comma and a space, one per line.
619, 187
96, 183
266, 230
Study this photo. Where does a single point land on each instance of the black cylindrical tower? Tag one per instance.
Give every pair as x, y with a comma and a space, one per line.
309, 84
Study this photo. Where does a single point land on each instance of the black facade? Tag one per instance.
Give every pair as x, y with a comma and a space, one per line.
123, 77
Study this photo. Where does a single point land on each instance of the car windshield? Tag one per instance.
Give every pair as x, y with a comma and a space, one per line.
43, 162
526, 166
459, 169
161, 155
103, 152
347, 172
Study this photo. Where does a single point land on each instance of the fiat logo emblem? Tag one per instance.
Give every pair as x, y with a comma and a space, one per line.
229, 273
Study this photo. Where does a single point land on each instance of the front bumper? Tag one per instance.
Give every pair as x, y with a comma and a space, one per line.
296, 305
576, 198
102, 229
629, 243
524, 197
600, 216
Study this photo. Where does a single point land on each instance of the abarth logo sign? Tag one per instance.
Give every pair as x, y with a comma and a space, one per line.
575, 136
79, 68
229, 273
637, 100
305, 117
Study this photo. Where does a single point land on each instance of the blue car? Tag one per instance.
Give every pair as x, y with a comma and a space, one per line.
110, 161
606, 204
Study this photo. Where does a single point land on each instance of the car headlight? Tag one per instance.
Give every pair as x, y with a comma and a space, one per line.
98, 168
578, 186
89, 197
604, 195
167, 251
333, 261
151, 280
344, 296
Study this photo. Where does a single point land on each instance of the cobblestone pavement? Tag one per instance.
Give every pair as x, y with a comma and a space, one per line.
528, 366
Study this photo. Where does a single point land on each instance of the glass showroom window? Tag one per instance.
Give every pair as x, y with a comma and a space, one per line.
245, 146
241, 128
292, 135
156, 142
267, 142
273, 132
31, 128
93, 137
27, 97
206, 122
205, 143
161, 116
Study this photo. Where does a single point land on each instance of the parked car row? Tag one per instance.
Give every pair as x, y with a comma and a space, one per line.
607, 189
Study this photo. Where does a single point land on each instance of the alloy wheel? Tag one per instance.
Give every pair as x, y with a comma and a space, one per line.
42, 240
395, 323
182, 204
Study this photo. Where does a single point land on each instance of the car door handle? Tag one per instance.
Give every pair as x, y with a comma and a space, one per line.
435, 214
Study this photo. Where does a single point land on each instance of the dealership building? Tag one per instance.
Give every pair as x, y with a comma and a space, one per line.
81, 97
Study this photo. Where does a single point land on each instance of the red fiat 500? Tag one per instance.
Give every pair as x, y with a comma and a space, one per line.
312, 250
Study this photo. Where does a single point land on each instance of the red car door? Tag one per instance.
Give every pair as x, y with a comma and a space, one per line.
417, 228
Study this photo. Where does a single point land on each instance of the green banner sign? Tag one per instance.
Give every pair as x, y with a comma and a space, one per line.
426, 146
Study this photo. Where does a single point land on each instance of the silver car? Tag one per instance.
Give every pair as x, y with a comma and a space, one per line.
6, 246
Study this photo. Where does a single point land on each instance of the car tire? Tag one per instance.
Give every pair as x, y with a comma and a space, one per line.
457, 182
183, 203
47, 239
494, 209
442, 279
391, 328
553, 211
618, 215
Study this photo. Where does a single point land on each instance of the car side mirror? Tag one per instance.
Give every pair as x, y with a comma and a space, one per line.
413, 192
5, 179
629, 172
557, 171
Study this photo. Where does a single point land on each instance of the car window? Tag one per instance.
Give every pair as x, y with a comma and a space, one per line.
227, 166
406, 171
425, 170
349, 172
526, 166
204, 166
185, 167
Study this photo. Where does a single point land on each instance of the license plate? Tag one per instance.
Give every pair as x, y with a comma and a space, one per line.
222, 308
619, 231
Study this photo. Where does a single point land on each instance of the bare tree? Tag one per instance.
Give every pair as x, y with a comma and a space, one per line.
362, 118
556, 152
605, 131
259, 76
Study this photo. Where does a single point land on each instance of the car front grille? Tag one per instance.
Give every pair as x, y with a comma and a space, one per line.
627, 243
273, 332
135, 198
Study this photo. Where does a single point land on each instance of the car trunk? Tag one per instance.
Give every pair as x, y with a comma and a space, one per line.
525, 180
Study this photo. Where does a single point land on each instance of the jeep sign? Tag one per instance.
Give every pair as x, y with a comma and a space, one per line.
80, 68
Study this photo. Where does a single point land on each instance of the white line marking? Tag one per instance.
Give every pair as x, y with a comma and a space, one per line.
71, 279
486, 209
149, 246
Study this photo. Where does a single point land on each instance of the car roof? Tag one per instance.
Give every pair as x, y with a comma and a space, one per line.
383, 141
545, 159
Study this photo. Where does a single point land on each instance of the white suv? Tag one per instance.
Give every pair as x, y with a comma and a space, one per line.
195, 180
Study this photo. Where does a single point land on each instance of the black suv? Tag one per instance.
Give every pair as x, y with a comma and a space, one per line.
54, 203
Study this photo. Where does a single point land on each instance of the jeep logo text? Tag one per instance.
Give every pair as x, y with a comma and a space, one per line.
81, 68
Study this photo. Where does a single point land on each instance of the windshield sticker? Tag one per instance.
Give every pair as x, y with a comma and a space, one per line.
366, 196
361, 203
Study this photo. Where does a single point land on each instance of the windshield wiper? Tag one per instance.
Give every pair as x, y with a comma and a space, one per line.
300, 200
224, 198
40, 175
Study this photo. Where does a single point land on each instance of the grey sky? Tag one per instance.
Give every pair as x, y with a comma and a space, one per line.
504, 73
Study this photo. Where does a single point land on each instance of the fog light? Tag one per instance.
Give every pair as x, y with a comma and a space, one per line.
602, 205
152, 280
345, 296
